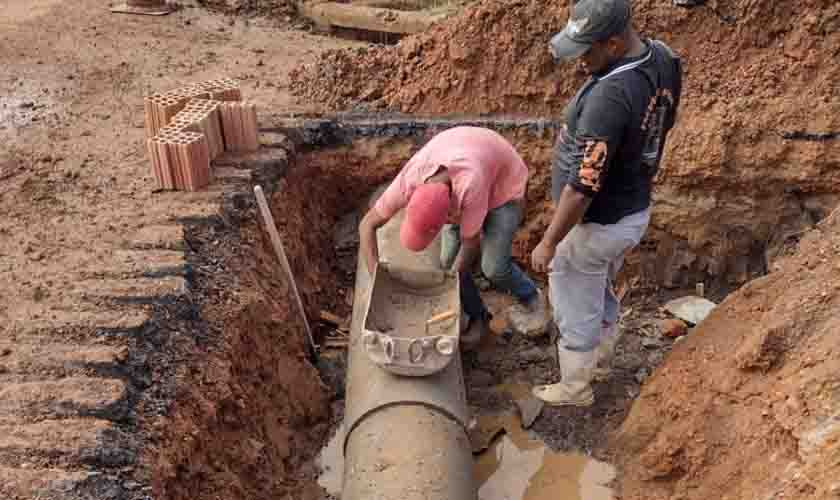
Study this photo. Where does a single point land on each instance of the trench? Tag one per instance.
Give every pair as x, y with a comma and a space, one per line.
261, 421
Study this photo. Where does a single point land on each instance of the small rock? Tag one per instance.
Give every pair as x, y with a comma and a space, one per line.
3, 369
673, 328
5, 352
122, 354
131, 485
651, 343
529, 409
27, 105
692, 309
655, 357
499, 325
534, 354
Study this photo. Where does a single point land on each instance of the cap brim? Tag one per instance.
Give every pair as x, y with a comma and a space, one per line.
563, 47
413, 239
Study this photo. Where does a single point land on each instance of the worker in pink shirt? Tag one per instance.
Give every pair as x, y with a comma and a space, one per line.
468, 183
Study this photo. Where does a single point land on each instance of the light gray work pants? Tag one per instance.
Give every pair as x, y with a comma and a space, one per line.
581, 279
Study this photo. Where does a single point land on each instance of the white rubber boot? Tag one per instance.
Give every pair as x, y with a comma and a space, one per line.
574, 388
606, 352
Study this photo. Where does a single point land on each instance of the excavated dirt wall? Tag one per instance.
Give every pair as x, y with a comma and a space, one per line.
753, 161
250, 408
748, 405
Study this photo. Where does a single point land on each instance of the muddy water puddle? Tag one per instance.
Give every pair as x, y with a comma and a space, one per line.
510, 464
518, 467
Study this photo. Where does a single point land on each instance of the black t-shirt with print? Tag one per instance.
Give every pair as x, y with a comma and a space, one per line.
615, 132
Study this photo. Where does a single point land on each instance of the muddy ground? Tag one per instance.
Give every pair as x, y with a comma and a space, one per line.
148, 346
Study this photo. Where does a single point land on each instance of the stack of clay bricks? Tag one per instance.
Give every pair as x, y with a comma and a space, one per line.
202, 116
180, 159
190, 126
239, 121
161, 108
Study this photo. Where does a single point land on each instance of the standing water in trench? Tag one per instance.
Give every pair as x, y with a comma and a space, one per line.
515, 466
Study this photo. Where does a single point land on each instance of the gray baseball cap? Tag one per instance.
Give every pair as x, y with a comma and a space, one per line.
590, 21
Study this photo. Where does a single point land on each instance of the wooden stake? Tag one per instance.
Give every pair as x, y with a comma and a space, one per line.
281, 254
440, 317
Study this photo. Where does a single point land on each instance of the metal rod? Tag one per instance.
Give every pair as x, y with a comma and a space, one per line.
281, 254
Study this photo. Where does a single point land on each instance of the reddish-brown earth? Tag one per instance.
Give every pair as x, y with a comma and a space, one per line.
754, 158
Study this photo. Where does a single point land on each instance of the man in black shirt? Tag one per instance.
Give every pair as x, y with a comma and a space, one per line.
605, 160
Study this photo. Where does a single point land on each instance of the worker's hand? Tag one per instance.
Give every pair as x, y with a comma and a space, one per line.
541, 257
467, 254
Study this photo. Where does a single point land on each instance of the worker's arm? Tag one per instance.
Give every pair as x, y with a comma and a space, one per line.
582, 164
569, 210
470, 248
474, 210
368, 245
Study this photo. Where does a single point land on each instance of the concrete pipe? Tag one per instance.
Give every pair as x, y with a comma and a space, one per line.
405, 438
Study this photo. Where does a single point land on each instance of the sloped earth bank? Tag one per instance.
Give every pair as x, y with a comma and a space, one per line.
748, 406
754, 158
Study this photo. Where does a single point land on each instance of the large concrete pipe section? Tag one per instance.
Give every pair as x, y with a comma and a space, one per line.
405, 437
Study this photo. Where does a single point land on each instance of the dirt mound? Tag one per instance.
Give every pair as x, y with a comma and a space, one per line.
753, 160
764, 422
491, 57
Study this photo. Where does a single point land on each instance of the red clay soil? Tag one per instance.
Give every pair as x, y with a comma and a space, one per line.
493, 57
254, 412
754, 157
748, 405
319, 190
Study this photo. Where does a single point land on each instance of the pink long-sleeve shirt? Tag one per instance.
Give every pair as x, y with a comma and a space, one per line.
485, 170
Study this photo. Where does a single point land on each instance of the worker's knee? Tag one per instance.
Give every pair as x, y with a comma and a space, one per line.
450, 244
495, 268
